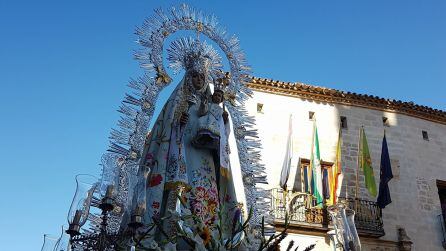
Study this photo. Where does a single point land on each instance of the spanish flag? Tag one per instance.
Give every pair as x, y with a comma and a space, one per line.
336, 175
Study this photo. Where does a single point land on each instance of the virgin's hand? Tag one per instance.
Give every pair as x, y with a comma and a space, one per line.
225, 116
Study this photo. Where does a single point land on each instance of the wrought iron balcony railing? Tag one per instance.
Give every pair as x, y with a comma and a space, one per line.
302, 213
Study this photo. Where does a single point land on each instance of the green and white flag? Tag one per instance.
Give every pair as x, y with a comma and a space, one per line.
316, 168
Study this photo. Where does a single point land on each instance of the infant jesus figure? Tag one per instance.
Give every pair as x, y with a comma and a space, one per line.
211, 123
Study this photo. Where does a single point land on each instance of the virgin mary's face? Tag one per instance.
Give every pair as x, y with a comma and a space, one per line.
197, 80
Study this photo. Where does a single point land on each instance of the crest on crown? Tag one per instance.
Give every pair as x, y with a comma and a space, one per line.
222, 81
192, 55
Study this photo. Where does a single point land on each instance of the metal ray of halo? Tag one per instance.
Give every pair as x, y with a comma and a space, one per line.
127, 142
180, 51
156, 29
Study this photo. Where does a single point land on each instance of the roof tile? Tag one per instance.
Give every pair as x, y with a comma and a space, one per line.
319, 93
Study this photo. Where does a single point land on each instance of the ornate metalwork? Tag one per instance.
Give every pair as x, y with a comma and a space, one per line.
301, 212
103, 239
368, 218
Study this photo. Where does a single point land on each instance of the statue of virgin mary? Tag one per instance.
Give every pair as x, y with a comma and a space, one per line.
187, 150
201, 147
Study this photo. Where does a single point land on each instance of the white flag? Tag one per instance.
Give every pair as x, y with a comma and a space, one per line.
285, 173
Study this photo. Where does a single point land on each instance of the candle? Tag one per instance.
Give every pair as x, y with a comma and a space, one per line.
77, 217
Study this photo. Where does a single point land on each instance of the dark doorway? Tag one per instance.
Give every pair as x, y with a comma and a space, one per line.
441, 185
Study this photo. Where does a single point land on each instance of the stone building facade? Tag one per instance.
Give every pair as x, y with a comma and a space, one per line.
416, 137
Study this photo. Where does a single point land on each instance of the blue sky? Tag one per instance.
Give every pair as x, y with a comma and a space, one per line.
64, 66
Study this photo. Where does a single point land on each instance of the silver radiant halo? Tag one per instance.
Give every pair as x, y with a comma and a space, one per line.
137, 108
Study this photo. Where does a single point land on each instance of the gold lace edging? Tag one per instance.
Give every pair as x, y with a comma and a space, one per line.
225, 172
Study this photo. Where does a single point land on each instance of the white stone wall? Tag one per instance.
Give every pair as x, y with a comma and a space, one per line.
321, 243
417, 163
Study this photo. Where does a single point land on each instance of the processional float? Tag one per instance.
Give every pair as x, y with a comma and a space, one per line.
118, 210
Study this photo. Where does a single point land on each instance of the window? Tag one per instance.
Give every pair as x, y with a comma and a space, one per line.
386, 121
311, 115
425, 135
306, 178
259, 108
343, 122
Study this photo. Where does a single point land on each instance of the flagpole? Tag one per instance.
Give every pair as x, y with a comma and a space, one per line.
359, 162
311, 160
335, 176
359, 166
346, 188
346, 183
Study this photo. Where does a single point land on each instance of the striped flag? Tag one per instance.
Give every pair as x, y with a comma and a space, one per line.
365, 162
316, 168
336, 173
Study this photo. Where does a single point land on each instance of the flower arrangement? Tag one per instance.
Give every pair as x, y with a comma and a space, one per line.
192, 232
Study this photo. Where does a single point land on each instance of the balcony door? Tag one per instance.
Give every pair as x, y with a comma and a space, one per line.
306, 180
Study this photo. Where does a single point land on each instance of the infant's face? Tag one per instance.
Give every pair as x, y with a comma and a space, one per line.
217, 97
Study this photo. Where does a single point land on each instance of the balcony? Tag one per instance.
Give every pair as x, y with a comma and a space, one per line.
301, 213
